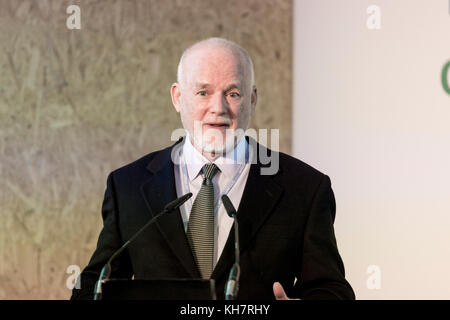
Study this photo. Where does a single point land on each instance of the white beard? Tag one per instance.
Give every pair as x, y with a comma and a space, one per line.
213, 141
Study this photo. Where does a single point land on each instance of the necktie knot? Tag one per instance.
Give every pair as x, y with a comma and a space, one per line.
209, 170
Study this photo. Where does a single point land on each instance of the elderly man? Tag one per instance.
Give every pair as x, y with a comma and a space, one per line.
287, 242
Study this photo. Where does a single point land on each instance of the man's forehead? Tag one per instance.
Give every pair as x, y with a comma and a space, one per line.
206, 85
214, 51
204, 72
211, 64
216, 57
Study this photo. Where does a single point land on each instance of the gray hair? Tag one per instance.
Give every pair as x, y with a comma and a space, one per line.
234, 47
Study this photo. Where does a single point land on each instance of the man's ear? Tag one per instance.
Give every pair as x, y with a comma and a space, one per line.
175, 93
254, 98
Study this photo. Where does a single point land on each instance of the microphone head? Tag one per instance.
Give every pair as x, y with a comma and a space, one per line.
228, 206
175, 204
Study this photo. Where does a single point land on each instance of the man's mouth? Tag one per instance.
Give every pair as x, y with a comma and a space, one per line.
218, 125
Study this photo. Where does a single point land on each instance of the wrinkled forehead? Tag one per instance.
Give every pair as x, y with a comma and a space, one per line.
211, 64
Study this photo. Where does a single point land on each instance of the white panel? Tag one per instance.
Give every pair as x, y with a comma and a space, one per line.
370, 111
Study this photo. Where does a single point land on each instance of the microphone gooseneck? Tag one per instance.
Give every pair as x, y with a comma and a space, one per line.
106, 270
232, 286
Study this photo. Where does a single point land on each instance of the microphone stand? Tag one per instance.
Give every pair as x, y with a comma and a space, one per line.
232, 286
106, 270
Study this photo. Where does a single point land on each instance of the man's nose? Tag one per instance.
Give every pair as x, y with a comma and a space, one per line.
218, 104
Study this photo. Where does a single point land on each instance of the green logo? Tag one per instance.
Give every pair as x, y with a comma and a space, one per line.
445, 77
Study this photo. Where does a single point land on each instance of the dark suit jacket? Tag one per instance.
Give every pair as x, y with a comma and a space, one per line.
285, 221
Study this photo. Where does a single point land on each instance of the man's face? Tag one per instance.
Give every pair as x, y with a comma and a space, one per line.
214, 97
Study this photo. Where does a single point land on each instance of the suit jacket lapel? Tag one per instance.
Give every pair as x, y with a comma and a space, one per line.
260, 195
157, 192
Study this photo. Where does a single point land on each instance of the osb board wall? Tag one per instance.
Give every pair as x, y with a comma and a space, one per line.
76, 104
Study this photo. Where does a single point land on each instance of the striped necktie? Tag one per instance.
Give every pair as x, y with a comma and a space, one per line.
200, 230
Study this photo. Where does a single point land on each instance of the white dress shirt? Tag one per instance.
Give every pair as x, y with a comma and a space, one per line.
188, 178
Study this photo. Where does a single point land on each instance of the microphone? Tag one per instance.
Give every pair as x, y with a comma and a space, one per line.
232, 287
106, 271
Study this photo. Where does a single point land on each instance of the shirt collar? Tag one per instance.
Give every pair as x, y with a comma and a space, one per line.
228, 164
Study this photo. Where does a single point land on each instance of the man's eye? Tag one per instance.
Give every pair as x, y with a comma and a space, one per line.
202, 93
235, 95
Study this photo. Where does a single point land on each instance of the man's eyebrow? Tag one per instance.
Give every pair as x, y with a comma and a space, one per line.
232, 86
201, 85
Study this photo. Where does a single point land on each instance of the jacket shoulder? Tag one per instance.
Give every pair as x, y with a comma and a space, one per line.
297, 166
299, 175
144, 161
137, 170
